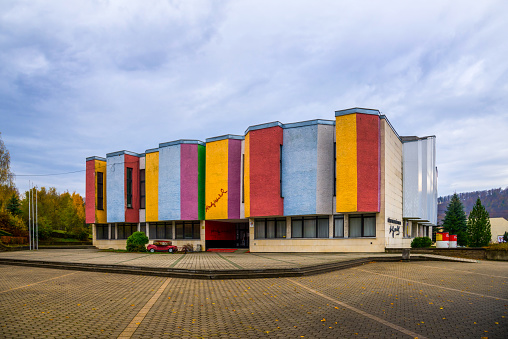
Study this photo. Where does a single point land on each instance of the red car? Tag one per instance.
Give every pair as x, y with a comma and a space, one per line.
162, 246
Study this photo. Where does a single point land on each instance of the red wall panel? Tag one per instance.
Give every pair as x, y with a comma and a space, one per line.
90, 192
132, 214
368, 162
218, 230
265, 199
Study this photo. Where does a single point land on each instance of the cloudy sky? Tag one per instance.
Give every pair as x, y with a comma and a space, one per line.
85, 78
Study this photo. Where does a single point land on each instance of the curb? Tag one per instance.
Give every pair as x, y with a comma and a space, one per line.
214, 274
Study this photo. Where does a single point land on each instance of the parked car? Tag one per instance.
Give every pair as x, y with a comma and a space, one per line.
162, 246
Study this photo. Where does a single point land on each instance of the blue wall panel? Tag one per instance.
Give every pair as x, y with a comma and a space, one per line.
299, 170
115, 188
169, 183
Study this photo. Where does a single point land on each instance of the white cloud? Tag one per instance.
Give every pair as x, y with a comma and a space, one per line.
86, 78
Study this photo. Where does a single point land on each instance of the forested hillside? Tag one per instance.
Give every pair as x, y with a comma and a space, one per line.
495, 201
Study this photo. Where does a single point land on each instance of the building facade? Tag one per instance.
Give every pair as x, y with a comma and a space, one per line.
346, 185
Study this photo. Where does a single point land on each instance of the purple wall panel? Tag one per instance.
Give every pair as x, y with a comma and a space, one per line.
189, 181
234, 178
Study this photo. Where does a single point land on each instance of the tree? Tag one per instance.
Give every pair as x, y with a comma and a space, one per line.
478, 226
6, 177
455, 220
13, 205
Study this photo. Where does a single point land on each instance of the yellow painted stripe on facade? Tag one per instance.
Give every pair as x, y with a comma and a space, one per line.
152, 186
346, 148
216, 185
101, 215
246, 176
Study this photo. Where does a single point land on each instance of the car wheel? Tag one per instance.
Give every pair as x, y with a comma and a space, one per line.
152, 250
170, 250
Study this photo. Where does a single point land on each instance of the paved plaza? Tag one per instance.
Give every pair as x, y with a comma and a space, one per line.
196, 260
424, 299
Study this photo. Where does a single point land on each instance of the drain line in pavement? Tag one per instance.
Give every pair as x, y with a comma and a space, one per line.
138, 318
38, 282
365, 314
445, 288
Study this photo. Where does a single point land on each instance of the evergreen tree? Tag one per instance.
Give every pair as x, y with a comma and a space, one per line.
13, 205
478, 226
455, 220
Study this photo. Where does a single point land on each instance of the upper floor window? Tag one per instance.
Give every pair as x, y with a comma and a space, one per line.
142, 195
100, 190
129, 187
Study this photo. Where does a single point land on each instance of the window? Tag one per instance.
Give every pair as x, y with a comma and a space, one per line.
309, 227
338, 226
100, 191
101, 231
362, 225
243, 178
142, 189
270, 228
187, 229
334, 169
129, 187
126, 230
142, 227
280, 171
161, 230
113, 233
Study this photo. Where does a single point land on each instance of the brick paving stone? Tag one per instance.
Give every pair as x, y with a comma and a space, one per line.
369, 301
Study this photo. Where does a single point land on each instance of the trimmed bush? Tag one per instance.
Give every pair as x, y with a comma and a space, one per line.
420, 242
136, 242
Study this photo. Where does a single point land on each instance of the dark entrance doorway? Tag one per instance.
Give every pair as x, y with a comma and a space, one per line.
220, 234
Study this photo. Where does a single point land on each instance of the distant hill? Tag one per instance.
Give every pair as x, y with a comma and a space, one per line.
495, 201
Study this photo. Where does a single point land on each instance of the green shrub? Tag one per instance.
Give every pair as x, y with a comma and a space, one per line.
136, 242
44, 232
420, 242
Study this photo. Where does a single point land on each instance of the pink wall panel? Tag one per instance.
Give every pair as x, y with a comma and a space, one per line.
189, 181
90, 192
234, 178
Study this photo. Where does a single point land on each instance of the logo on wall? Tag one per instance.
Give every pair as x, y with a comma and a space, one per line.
212, 204
394, 230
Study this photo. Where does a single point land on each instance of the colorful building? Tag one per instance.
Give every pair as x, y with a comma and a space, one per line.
346, 185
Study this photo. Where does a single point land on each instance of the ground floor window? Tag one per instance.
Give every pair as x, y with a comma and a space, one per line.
270, 228
113, 231
187, 229
362, 225
142, 227
309, 227
101, 231
338, 226
161, 230
126, 230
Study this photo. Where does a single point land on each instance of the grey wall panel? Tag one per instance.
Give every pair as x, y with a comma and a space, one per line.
325, 169
115, 188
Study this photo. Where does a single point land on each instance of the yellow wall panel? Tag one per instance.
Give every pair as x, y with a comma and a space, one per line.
246, 176
152, 186
216, 185
346, 148
100, 215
